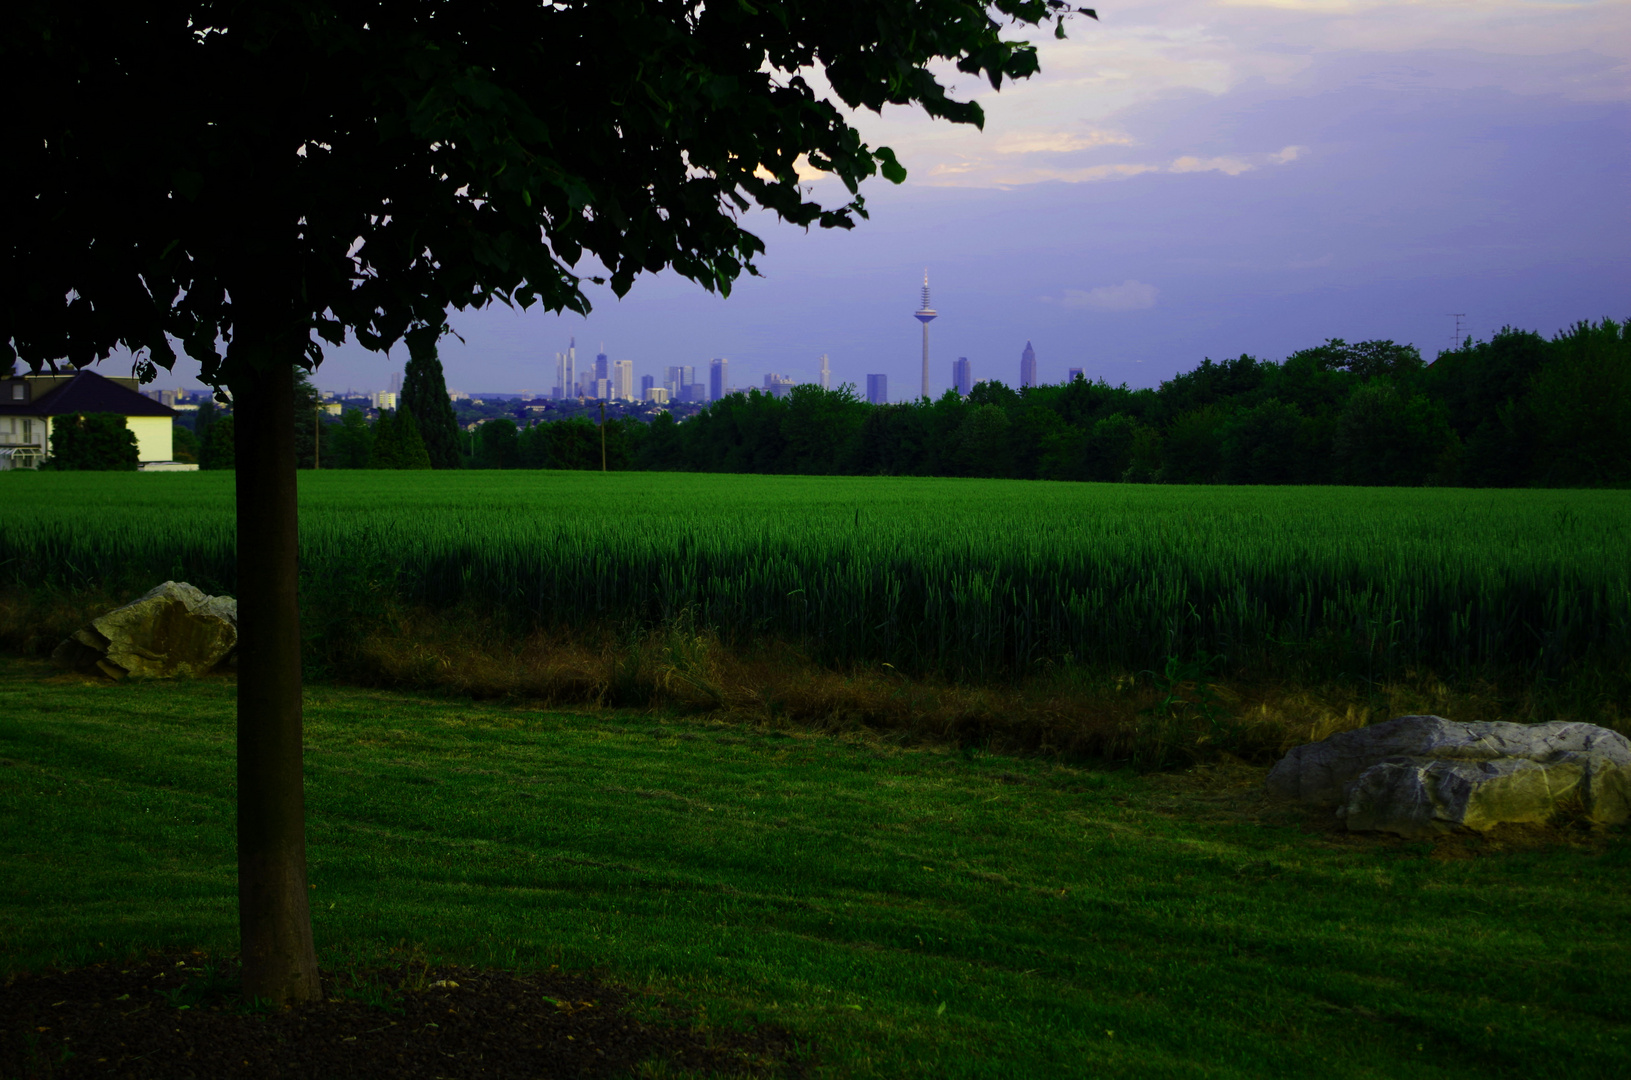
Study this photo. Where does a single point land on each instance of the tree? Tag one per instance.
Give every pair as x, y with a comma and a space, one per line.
1387, 437
277, 177
1581, 404
424, 397
306, 399
350, 443
220, 445
93, 441
498, 445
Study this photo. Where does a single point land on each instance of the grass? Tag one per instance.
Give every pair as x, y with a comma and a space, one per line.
912, 911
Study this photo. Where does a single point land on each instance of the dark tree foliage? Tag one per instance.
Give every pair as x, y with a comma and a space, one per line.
220, 445
306, 399
424, 397
350, 443
184, 445
497, 445
397, 444
93, 441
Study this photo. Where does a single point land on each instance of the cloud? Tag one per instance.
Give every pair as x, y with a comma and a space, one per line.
1231, 166
1130, 295
1234, 166
1058, 142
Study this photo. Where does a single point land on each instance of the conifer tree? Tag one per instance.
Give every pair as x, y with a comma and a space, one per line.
410, 447
387, 442
424, 397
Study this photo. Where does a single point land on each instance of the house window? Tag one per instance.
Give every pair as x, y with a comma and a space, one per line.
17, 391
28, 430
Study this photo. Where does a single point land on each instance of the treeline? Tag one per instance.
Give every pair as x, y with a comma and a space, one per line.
1517, 410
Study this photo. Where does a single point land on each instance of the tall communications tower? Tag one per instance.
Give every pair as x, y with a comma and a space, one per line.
925, 315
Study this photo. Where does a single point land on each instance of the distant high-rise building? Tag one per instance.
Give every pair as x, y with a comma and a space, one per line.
877, 389
697, 392
962, 376
602, 363
656, 395
1075, 373
925, 315
566, 371
718, 378
649, 382
778, 385
678, 378
623, 380
1027, 366
826, 373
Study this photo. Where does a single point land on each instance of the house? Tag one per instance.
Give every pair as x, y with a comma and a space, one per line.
29, 404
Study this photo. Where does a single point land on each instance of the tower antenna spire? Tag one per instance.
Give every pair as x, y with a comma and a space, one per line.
925, 315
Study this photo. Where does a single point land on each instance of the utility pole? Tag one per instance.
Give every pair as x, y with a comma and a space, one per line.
316, 437
602, 434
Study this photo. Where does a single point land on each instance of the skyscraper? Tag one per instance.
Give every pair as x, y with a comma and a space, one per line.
877, 389
566, 371
1074, 373
1027, 366
718, 379
678, 380
925, 315
647, 382
623, 380
962, 375
602, 364
826, 373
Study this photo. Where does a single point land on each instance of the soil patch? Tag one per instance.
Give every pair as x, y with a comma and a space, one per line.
177, 1015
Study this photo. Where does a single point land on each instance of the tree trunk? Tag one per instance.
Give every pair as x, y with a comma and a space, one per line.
274, 920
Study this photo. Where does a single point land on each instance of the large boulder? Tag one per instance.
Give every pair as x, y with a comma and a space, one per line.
174, 630
1420, 775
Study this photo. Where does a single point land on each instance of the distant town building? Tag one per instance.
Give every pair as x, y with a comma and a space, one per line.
1075, 373
962, 375
877, 389
826, 373
657, 395
623, 380
718, 379
383, 399
778, 385
1027, 366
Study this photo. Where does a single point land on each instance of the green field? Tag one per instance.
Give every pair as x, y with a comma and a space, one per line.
964, 579
914, 913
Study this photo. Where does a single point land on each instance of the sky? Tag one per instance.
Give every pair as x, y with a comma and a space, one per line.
1184, 179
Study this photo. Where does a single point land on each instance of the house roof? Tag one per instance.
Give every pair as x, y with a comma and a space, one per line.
86, 392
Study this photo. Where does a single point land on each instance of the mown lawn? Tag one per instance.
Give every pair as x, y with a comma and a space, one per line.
913, 912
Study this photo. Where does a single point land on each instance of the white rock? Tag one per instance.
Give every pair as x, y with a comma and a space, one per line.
1417, 775
175, 629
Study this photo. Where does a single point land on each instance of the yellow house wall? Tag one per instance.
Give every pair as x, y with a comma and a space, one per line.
152, 437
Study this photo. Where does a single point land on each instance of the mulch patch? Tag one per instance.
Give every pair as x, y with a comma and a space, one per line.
177, 1015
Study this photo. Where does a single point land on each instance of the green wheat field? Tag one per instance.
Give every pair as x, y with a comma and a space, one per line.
966, 579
